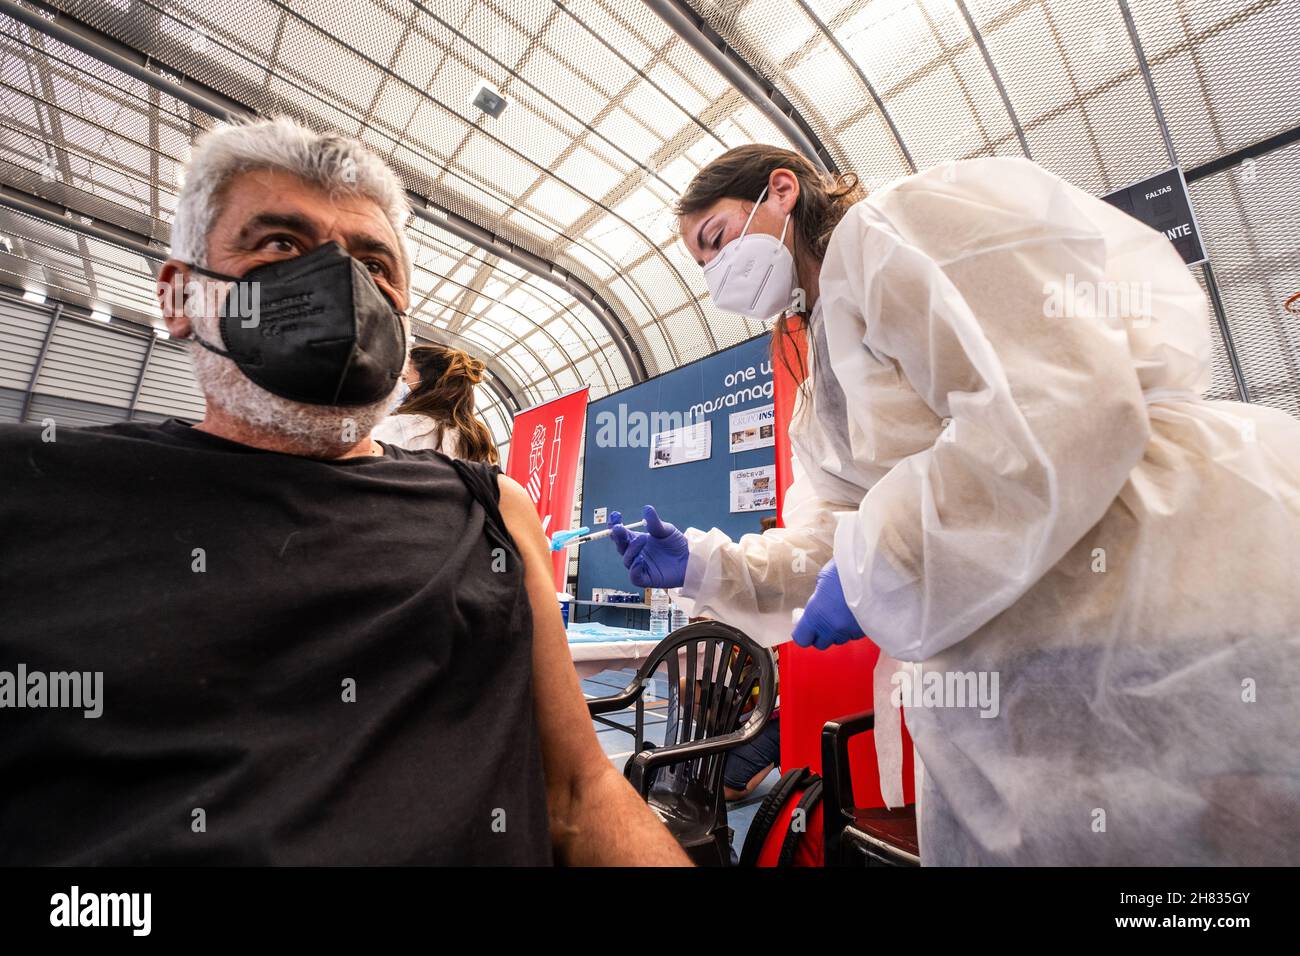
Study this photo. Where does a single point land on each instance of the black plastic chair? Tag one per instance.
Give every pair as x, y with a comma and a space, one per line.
860, 836
682, 780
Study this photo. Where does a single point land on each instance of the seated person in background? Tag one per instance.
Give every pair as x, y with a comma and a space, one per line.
304, 647
749, 764
438, 411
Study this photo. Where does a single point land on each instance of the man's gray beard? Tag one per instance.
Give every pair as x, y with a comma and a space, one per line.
318, 431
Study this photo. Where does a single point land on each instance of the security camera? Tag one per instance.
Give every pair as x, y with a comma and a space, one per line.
489, 100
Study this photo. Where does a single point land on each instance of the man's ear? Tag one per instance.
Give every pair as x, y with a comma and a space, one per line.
173, 278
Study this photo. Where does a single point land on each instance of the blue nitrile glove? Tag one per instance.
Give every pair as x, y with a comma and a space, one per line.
654, 558
827, 619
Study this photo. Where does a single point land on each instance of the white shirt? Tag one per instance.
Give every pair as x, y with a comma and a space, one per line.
417, 432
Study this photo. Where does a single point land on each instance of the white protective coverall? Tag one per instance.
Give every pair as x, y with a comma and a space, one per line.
1029, 487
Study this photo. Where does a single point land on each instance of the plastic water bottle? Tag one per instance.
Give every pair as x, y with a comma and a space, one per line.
677, 618
659, 613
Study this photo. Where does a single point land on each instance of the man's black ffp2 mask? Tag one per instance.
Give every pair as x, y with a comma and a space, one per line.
314, 329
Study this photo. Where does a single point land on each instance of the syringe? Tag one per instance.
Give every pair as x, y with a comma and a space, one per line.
558, 542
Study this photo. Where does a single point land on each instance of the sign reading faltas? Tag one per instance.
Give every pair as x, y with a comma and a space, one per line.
1161, 202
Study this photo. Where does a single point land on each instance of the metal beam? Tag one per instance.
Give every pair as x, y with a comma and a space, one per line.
40, 363
997, 80
65, 218
79, 36
471, 291
1238, 156
503, 393
1207, 270
1145, 67
1225, 333
93, 43
756, 88
465, 42
139, 382
862, 78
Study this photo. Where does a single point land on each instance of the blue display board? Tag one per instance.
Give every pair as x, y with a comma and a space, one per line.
617, 475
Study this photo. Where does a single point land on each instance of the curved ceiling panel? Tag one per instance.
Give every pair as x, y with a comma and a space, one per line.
1103, 94
609, 115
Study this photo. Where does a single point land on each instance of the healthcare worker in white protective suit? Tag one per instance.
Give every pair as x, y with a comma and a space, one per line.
1003, 467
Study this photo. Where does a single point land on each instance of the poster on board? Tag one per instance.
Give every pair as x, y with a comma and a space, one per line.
753, 489
680, 445
752, 428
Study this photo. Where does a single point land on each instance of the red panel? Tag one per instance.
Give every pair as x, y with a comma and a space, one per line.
544, 446
817, 686
791, 357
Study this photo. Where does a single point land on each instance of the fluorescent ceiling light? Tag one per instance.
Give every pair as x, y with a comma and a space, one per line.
100, 315
161, 333
34, 295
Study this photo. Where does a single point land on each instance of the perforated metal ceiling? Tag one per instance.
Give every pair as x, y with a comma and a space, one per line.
610, 112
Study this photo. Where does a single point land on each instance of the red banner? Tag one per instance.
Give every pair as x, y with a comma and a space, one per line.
544, 447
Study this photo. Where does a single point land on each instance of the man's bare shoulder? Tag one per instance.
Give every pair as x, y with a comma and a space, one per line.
519, 515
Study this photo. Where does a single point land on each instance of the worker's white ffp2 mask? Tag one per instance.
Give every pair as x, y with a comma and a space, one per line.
752, 275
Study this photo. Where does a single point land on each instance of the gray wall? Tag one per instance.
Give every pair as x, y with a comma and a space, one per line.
62, 364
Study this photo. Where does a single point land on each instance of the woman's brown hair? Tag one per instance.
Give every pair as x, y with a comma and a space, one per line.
743, 172
446, 395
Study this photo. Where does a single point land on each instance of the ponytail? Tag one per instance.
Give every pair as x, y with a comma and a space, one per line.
446, 395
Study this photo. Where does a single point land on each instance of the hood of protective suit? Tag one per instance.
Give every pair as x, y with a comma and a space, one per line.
1143, 289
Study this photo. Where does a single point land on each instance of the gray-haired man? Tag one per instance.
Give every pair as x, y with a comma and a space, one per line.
315, 648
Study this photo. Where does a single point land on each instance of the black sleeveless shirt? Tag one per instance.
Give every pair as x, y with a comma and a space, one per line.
303, 661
